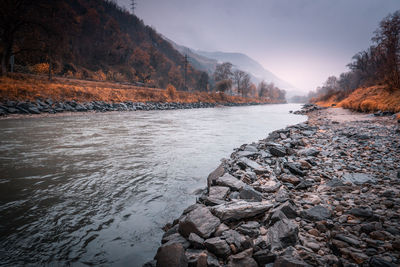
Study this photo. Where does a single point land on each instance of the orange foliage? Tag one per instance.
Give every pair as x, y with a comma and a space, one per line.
368, 100
30, 87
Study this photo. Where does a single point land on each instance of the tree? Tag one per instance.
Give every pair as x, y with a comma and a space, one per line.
133, 6
202, 84
238, 76
387, 38
223, 85
223, 72
246, 84
263, 89
14, 15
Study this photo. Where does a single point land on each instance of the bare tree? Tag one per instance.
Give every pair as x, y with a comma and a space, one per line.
238, 76
246, 84
133, 6
223, 72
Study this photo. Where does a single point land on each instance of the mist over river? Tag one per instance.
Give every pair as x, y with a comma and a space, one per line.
95, 189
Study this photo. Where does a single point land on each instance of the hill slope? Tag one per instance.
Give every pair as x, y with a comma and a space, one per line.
96, 39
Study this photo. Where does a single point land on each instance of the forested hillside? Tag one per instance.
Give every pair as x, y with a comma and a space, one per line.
89, 39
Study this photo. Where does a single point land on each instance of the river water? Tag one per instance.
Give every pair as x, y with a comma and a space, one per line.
95, 189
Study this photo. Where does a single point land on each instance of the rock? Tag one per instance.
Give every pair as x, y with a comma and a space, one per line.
213, 176
288, 209
361, 212
243, 258
348, 240
33, 110
230, 181
316, 213
304, 185
378, 262
358, 178
233, 237
282, 234
237, 210
218, 192
196, 241
250, 229
258, 169
171, 255
290, 179
220, 229
218, 246
288, 261
249, 194
196, 258
175, 238
335, 183
308, 152
293, 169
282, 195
263, 257
212, 261
277, 151
199, 221
358, 257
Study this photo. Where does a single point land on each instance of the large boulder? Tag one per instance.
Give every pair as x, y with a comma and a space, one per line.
358, 178
243, 258
248, 193
199, 221
171, 255
218, 172
218, 192
241, 209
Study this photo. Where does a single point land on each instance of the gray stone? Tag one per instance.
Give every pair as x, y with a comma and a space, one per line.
243, 258
218, 192
258, 169
288, 261
175, 238
335, 182
196, 257
196, 241
282, 234
171, 255
359, 178
361, 212
213, 176
248, 193
230, 181
288, 209
308, 152
218, 246
278, 151
316, 213
233, 237
237, 210
264, 257
293, 169
199, 221
250, 229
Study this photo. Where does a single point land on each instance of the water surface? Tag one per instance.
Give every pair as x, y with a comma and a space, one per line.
95, 189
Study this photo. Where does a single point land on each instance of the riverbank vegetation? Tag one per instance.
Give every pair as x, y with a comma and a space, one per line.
373, 82
31, 87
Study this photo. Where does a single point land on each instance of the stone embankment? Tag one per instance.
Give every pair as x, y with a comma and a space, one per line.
48, 106
321, 193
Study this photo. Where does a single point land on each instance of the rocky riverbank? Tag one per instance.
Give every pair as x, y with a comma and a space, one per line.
48, 106
321, 193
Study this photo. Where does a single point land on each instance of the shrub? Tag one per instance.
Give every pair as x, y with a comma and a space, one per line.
41, 68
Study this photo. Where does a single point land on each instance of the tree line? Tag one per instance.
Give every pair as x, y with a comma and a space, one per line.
377, 65
231, 81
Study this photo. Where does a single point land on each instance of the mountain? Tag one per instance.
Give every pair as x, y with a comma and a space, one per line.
207, 61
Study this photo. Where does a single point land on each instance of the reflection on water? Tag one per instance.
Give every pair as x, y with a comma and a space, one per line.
97, 188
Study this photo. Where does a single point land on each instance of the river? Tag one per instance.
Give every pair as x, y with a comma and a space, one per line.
95, 189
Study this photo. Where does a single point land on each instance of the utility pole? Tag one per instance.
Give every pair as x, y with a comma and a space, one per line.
133, 6
185, 71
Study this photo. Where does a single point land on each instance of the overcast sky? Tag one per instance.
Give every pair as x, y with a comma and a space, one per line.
301, 41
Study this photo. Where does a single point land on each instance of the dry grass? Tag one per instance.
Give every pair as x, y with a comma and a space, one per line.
31, 87
369, 99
